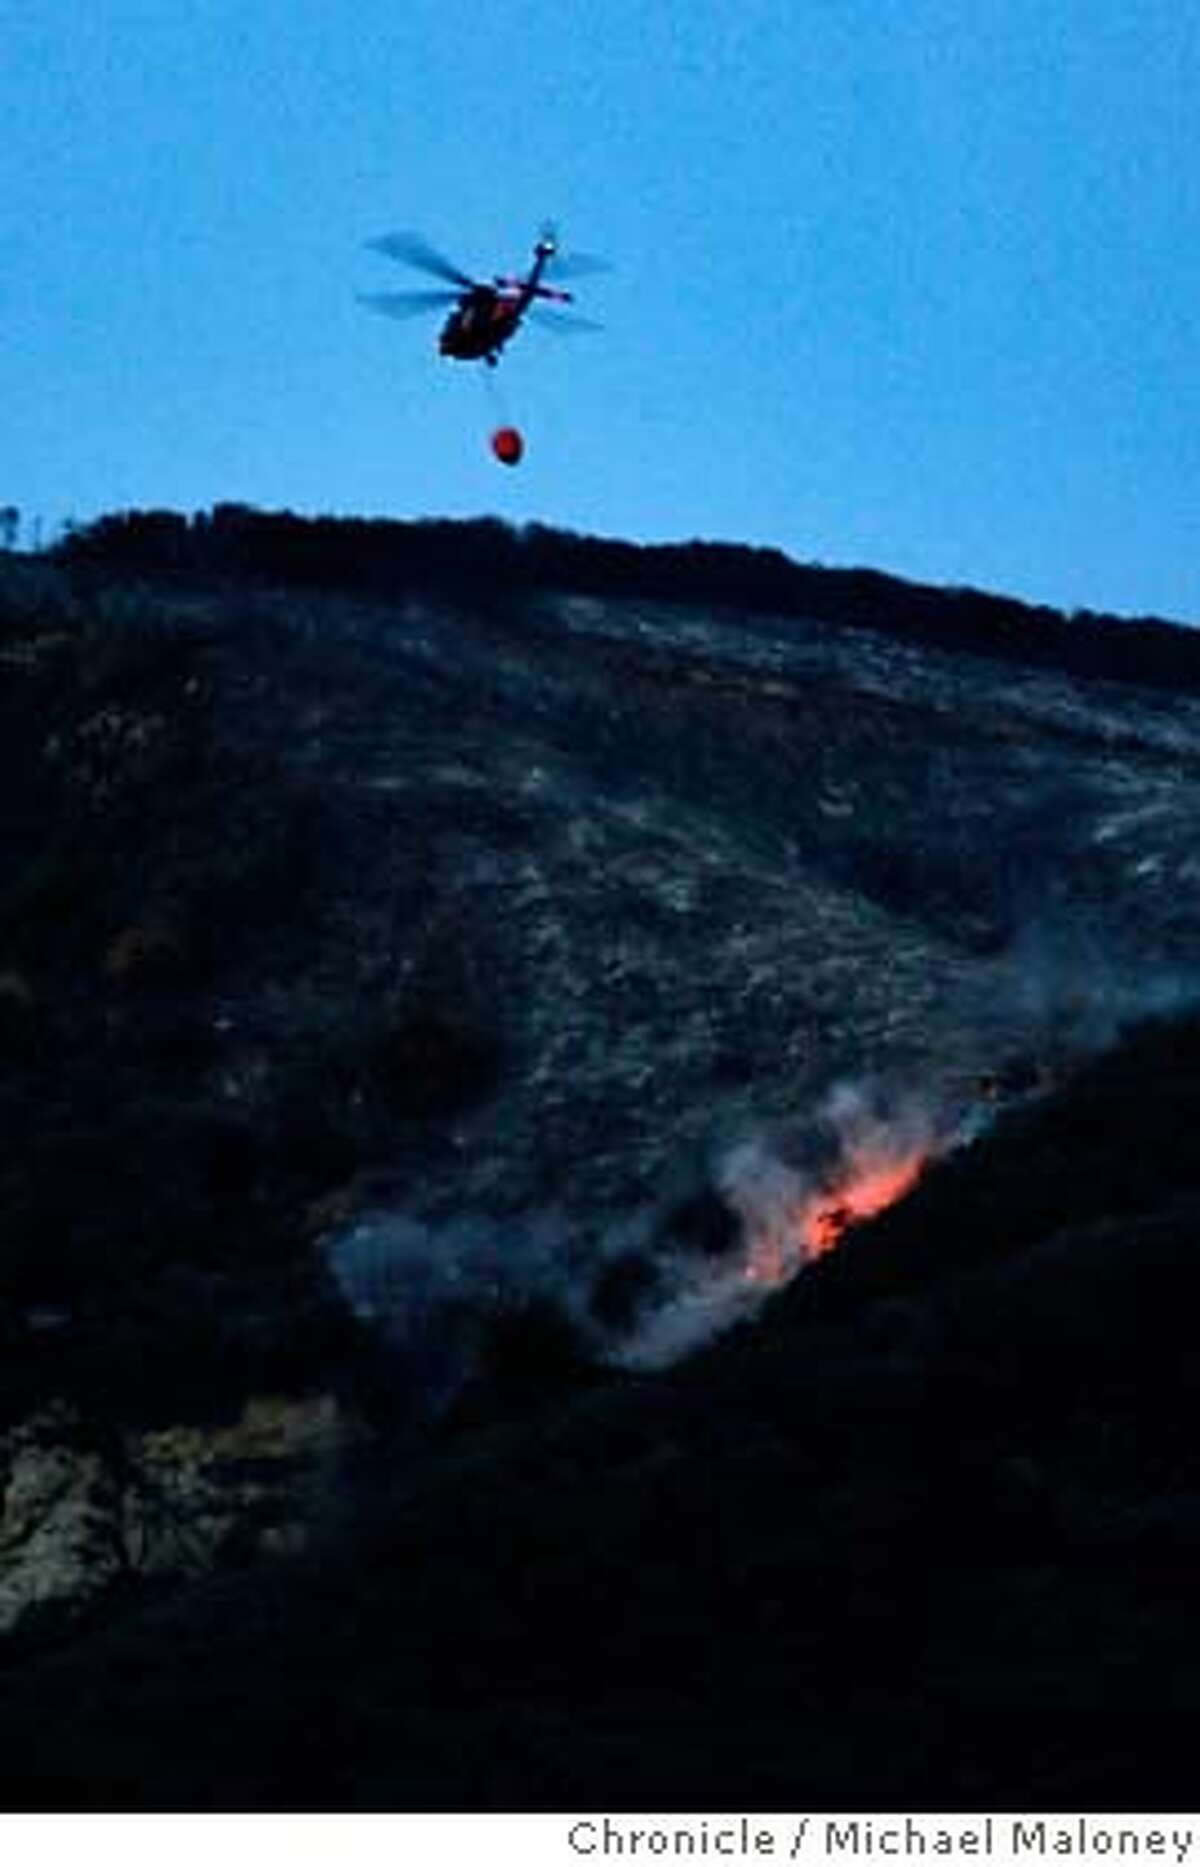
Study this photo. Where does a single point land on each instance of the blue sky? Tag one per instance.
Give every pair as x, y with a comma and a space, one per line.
905, 283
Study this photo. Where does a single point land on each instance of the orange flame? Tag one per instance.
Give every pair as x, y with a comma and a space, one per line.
868, 1184
871, 1188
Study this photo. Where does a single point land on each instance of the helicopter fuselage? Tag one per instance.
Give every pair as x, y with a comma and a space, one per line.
486, 316
482, 322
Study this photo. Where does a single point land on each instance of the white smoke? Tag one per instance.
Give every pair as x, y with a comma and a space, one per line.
686, 1268
774, 1182
1064, 993
431, 1293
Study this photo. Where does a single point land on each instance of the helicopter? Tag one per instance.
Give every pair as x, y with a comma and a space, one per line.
484, 316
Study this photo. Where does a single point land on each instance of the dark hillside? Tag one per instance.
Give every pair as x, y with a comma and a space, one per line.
453, 984
479, 558
930, 1550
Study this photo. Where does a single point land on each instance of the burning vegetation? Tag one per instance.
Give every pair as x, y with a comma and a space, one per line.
858, 1158
705, 1258
870, 1187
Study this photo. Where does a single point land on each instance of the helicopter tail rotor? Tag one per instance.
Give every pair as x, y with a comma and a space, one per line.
570, 264
573, 265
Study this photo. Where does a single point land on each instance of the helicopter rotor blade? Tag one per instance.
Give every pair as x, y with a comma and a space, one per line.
406, 304
412, 249
563, 323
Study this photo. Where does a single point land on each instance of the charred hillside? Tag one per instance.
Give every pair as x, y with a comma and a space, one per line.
458, 992
932, 1546
481, 558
